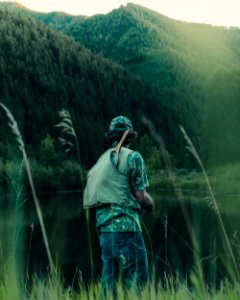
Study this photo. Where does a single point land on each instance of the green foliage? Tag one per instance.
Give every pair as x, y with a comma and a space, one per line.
222, 118
71, 176
48, 155
10, 288
8, 151
150, 45
67, 176
45, 178
183, 65
11, 173
54, 20
42, 71
3, 149
181, 60
225, 179
53, 288
155, 161
145, 146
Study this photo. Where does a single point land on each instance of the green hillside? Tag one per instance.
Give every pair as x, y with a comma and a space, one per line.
193, 69
54, 20
136, 32
43, 71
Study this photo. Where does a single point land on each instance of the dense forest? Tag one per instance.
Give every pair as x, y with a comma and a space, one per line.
188, 66
193, 66
183, 73
43, 71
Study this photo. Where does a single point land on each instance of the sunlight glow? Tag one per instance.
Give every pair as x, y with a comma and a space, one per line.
222, 13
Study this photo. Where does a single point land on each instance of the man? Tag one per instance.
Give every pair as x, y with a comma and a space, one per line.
116, 187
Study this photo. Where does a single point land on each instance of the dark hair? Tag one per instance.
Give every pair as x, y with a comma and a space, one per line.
116, 135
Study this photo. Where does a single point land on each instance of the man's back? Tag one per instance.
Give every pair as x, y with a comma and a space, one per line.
116, 187
109, 183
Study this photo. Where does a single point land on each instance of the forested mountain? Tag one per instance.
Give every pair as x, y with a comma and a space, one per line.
195, 68
55, 20
192, 68
43, 71
191, 65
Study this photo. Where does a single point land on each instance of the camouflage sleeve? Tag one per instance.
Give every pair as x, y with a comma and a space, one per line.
137, 171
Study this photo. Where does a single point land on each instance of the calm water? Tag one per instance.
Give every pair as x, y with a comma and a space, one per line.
168, 234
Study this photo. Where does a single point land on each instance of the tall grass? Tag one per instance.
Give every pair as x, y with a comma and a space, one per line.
197, 274
68, 130
213, 200
15, 130
170, 289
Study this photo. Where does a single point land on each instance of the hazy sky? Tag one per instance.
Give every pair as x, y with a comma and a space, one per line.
217, 12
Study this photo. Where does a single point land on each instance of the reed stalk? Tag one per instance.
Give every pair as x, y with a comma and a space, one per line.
67, 129
190, 147
179, 196
28, 259
15, 130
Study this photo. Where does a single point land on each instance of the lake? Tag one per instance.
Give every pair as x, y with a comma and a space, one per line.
183, 228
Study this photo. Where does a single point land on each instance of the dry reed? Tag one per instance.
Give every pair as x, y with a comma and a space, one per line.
15, 130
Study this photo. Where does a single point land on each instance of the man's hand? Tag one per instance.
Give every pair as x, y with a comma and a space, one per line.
145, 200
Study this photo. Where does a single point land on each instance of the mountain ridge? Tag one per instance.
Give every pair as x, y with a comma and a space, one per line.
43, 71
182, 62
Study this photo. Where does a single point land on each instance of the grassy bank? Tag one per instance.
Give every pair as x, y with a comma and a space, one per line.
180, 179
224, 179
11, 288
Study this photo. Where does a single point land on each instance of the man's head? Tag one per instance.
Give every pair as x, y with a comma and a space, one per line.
117, 127
121, 123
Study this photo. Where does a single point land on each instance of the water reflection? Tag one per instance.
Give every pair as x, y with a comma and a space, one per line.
168, 232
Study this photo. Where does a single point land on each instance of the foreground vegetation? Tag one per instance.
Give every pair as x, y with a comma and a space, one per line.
53, 288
